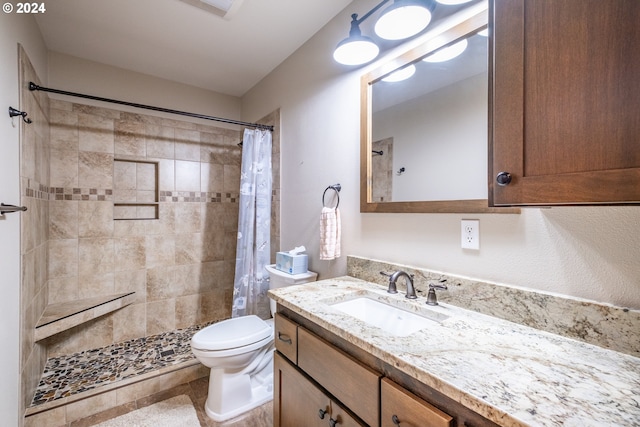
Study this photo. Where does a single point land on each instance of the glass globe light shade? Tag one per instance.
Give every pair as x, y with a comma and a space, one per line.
355, 50
452, 2
402, 20
401, 74
448, 53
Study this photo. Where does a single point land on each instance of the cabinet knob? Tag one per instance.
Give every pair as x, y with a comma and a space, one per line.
321, 413
395, 420
503, 178
332, 422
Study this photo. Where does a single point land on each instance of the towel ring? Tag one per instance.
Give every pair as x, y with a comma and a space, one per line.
336, 188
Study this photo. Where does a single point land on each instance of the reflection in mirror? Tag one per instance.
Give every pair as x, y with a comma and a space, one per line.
434, 125
424, 137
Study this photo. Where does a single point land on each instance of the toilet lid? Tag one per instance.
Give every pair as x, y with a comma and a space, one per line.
232, 333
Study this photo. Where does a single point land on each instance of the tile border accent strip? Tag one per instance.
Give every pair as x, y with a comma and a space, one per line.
39, 191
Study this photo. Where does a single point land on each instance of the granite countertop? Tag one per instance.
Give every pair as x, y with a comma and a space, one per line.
511, 374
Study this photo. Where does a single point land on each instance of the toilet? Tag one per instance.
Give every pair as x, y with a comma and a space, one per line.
279, 279
239, 352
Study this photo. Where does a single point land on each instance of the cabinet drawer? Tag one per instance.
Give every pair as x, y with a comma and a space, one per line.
401, 407
286, 337
355, 385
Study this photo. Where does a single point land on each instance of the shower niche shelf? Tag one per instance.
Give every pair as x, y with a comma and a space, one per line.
135, 189
65, 315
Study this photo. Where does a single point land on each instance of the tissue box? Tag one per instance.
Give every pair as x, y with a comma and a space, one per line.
292, 264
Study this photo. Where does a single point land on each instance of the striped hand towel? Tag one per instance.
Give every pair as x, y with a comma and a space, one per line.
329, 233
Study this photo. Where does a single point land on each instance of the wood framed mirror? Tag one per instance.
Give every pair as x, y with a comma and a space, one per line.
424, 139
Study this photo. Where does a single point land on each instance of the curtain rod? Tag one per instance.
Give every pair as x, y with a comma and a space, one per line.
33, 86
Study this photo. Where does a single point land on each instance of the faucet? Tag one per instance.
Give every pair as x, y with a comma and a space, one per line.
432, 298
411, 292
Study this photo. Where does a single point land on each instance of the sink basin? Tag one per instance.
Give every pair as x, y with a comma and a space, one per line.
393, 320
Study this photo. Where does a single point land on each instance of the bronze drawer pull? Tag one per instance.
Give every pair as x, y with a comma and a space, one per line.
395, 420
284, 338
321, 413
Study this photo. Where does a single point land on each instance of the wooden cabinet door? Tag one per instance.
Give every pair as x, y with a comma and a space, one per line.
297, 402
564, 101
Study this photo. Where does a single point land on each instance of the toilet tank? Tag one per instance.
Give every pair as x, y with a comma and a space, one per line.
278, 279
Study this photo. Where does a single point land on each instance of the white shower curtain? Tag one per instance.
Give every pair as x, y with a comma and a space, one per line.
253, 249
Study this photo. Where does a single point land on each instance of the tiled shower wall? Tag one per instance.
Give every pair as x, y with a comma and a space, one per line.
34, 223
181, 266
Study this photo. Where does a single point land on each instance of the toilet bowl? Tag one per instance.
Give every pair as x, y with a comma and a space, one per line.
239, 352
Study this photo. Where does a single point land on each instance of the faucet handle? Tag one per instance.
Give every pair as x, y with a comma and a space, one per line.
432, 298
392, 284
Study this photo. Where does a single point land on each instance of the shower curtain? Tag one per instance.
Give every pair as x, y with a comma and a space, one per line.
253, 249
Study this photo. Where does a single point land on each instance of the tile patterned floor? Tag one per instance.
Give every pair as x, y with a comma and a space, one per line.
76, 373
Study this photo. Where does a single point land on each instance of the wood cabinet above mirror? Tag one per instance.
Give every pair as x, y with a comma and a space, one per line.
424, 139
565, 132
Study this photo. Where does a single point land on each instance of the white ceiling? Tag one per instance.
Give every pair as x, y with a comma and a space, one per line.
177, 41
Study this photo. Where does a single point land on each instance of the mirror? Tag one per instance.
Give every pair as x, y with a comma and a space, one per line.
424, 139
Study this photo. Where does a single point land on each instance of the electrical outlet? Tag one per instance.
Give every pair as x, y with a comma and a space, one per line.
470, 234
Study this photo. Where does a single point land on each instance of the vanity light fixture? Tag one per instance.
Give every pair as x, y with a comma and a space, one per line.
401, 74
448, 53
355, 49
403, 19
452, 2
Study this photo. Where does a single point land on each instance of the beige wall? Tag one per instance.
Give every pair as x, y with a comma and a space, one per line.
17, 355
588, 252
79, 75
34, 189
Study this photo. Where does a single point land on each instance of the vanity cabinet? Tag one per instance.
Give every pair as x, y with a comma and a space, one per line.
321, 380
564, 102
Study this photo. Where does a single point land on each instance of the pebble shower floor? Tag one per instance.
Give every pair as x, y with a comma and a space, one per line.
79, 372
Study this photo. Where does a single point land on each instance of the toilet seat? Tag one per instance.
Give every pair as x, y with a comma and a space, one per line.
239, 332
